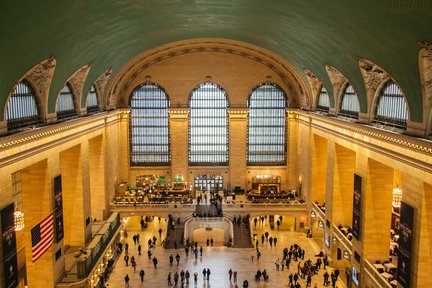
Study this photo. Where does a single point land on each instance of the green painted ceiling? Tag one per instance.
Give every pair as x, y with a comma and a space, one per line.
307, 33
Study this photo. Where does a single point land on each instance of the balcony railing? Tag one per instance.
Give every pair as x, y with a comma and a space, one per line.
98, 245
374, 275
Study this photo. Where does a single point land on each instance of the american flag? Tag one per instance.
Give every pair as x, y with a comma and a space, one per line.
42, 237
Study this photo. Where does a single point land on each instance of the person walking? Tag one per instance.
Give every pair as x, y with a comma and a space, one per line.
142, 273
155, 262
230, 272
126, 278
245, 284
169, 279
126, 259
139, 249
171, 259
177, 259
176, 278
208, 274
204, 272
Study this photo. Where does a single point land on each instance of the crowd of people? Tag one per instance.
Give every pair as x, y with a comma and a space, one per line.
299, 267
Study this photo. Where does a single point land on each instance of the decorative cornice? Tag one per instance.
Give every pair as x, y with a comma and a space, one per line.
11, 141
414, 144
238, 110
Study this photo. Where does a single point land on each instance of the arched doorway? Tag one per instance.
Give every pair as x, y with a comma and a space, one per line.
202, 235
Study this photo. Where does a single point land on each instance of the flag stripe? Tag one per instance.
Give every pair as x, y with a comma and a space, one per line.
42, 237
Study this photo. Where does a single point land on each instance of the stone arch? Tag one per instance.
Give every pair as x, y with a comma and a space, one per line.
220, 223
76, 82
374, 78
290, 79
315, 85
39, 77
100, 86
425, 67
338, 81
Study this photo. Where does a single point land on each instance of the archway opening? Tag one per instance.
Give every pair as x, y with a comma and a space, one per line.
204, 236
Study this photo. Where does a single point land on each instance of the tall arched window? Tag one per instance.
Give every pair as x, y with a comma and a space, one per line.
266, 142
149, 126
349, 103
65, 103
92, 102
323, 100
22, 108
208, 129
391, 109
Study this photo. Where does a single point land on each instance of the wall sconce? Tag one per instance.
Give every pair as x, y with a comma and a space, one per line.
397, 197
18, 220
346, 255
320, 224
313, 214
335, 240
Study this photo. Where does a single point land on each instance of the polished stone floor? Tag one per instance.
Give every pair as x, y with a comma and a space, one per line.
218, 259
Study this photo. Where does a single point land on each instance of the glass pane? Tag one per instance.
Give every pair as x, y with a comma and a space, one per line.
208, 126
149, 126
22, 109
267, 126
392, 108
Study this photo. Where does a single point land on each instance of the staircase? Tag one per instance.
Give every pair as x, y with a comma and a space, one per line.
242, 235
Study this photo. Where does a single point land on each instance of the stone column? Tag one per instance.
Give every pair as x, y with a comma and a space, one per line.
418, 194
179, 135
37, 205
343, 183
237, 147
376, 210
74, 210
319, 168
97, 177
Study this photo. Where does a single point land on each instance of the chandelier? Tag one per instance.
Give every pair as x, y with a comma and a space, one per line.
397, 197
18, 220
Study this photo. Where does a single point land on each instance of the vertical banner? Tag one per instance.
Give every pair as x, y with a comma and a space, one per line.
58, 208
10, 266
405, 244
357, 206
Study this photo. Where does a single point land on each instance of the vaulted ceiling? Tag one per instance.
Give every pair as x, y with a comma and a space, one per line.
309, 34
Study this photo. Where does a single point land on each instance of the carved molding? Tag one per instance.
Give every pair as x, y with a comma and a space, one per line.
101, 84
337, 80
373, 75
41, 76
77, 81
426, 65
315, 85
118, 87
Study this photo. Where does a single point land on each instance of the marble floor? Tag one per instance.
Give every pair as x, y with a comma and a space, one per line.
218, 259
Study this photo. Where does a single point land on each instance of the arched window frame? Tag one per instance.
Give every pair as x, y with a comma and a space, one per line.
211, 148
149, 132
323, 104
22, 109
92, 95
267, 133
349, 104
64, 98
396, 112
